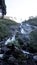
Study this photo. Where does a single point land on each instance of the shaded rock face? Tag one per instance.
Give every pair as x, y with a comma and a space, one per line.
11, 54
16, 58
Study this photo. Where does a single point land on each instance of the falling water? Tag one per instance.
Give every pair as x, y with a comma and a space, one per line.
22, 30
35, 57
25, 52
26, 29
1, 55
7, 41
10, 40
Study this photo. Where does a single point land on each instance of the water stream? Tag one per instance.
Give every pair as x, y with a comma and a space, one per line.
10, 40
25, 29
1, 55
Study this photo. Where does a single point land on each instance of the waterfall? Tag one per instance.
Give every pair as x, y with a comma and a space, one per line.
1, 55
21, 29
25, 52
13, 38
25, 29
10, 40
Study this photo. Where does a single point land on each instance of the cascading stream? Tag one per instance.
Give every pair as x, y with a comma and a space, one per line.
25, 29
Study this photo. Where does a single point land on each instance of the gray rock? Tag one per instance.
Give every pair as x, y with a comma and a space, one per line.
12, 59
5, 49
35, 57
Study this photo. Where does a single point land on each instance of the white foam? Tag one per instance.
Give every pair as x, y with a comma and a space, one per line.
35, 57
22, 31
7, 41
25, 52
1, 55
10, 40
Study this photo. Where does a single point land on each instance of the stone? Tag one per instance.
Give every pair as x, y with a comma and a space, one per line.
35, 57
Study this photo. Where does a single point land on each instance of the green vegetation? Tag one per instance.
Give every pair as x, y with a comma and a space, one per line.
5, 27
32, 21
33, 40
16, 45
32, 46
7, 22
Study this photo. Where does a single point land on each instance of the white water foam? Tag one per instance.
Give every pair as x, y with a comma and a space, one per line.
10, 40
25, 52
1, 55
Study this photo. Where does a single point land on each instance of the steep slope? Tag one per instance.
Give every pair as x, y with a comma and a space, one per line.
5, 27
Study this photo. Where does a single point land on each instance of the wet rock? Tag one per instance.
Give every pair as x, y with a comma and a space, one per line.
12, 60
0, 50
35, 57
30, 62
6, 55
4, 49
